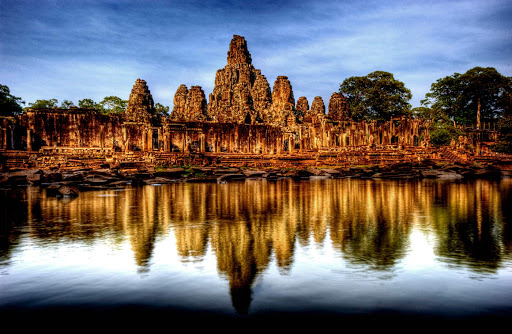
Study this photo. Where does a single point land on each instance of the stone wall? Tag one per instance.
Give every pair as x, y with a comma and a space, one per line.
243, 115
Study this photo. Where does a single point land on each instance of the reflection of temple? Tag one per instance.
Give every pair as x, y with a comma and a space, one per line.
252, 225
242, 116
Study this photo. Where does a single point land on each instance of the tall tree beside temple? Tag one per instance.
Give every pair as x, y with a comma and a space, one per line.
66, 104
112, 104
87, 104
479, 95
376, 96
44, 104
160, 109
504, 143
9, 104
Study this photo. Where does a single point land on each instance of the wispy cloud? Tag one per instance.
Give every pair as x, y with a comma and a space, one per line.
77, 49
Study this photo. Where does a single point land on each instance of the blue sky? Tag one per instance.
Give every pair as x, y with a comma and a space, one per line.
92, 49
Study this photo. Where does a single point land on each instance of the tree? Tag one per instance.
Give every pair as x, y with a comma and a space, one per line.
66, 104
377, 95
9, 104
441, 127
504, 144
88, 104
44, 104
161, 109
112, 104
480, 94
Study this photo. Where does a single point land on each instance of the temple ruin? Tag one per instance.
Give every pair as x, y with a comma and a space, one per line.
243, 121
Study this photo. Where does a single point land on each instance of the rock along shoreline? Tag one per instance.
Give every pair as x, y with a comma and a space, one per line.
70, 182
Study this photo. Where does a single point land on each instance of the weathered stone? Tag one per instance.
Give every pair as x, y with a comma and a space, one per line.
231, 177
96, 181
103, 171
440, 174
245, 123
338, 107
301, 108
159, 180
302, 104
140, 103
331, 172
52, 190
74, 176
318, 105
226, 171
254, 173
241, 93
282, 112
189, 105
52, 176
180, 102
68, 191
315, 171
34, 179
196, 106
170, 173
302, 174
238, 52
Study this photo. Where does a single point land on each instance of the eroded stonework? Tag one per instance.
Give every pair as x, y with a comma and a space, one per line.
189, 105
241, 93
140, 103
282, 112
243, 121
338, 107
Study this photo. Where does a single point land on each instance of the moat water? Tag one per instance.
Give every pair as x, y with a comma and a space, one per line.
336, 247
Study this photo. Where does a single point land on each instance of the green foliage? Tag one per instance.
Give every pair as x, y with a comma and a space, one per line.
460, 95
504, 144
44, 104
66, 104
440, 136
87, 104
111, 104
9, 104
161, 109
376, 96
429, 114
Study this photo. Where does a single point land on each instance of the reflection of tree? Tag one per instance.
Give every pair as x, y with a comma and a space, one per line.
379, 245
249, 224
506, 198
470, 225
13, 210
370, 225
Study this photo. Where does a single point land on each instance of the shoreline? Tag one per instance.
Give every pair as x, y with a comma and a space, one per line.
69, 182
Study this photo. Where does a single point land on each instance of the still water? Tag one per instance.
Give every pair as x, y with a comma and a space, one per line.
338, 246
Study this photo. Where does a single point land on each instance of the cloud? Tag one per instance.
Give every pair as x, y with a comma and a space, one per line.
78, 49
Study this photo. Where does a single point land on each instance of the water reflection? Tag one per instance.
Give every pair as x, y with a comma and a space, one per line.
248, 225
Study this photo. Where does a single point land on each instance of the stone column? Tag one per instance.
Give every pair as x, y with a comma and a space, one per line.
143, 135
160, 138
4, 138
124, 147
29, 140
201, 143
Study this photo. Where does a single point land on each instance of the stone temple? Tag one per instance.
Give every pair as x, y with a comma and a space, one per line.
244, 121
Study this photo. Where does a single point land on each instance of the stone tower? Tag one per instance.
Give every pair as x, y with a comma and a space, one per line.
140, 106
189, 105
241, 93
338, 107
283, 103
